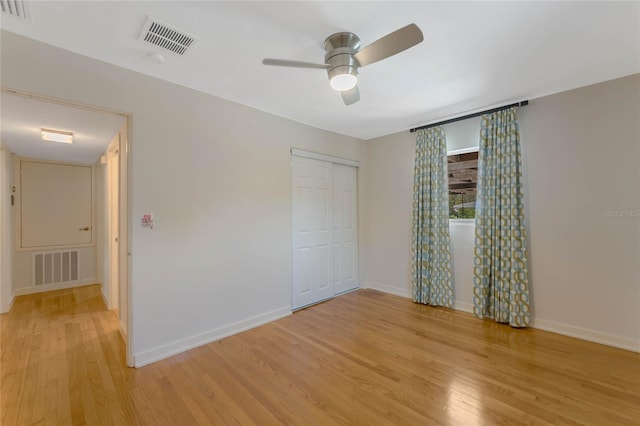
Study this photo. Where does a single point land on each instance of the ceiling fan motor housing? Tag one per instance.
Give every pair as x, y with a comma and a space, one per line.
340, 49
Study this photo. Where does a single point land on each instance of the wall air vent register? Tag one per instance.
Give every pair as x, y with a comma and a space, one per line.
55, 267
17, 8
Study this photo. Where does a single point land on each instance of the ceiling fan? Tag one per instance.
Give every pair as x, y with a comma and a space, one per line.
344, 57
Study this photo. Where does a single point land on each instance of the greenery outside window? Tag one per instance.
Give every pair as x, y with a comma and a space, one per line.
462, 168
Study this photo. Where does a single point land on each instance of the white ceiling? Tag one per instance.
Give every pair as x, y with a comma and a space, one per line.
475, 54
23, 118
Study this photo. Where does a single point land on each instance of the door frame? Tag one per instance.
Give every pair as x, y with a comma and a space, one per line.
112, 177
7, 199
125, 223
296, 152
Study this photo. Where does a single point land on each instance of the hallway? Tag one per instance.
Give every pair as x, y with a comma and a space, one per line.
63, 361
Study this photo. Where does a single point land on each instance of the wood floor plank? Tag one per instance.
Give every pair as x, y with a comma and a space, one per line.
363, 358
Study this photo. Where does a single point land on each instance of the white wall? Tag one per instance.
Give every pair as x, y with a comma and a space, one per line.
216, 177
462, 134
581, 149
387, 224
581, 161
6, 230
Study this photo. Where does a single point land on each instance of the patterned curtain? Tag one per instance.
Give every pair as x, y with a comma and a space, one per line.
432, 282
500, 288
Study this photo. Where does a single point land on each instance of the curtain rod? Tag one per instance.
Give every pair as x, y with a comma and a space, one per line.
475, 114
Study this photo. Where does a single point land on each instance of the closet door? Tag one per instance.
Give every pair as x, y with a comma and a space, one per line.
312, 233
344, 228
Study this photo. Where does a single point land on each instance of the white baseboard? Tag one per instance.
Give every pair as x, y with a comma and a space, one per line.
586, 334
9, 305
463, 306
402, 292
123, 333
104, 300
406, 293
50, 287
554, 327
11, 300
165, 351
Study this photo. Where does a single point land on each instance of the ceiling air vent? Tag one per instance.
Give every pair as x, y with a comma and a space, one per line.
167, 37
18, 8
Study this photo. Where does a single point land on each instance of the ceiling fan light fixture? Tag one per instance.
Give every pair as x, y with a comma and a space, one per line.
344, 57
342, 82
56, 136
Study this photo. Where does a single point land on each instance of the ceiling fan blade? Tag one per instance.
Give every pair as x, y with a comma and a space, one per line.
351, 96
390, 44
296, 64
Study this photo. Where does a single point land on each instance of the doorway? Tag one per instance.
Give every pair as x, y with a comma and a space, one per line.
23, 116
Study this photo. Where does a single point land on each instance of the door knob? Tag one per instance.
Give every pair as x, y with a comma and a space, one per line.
86, 228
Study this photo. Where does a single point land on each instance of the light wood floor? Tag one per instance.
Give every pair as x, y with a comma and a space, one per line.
363, 358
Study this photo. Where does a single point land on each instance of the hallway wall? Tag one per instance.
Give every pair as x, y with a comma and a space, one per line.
6, 230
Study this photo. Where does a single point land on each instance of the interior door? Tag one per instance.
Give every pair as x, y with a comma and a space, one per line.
56, 204
312, 235
344, 228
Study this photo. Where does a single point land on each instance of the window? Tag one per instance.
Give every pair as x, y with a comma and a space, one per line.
463, 177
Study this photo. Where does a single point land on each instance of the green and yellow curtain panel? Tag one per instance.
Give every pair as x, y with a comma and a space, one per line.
432, 281
501, 287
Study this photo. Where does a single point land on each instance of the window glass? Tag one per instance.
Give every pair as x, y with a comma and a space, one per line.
463, 178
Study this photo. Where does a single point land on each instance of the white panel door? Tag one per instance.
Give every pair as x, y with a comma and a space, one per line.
345, 228
312, 235
56, 204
